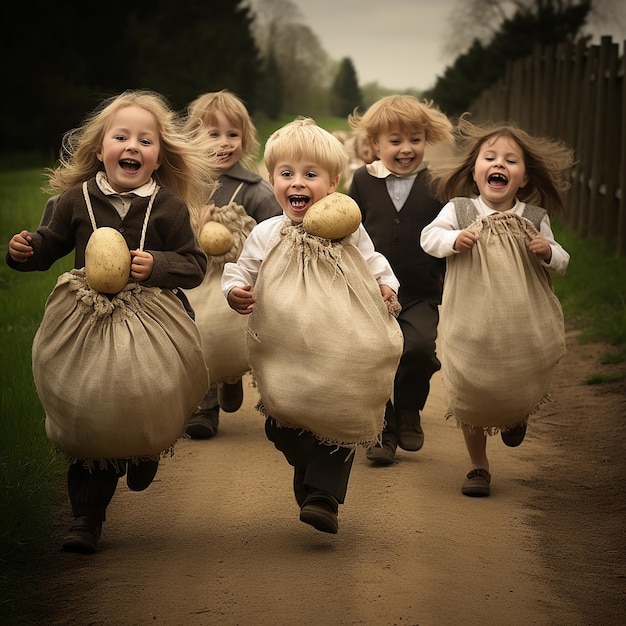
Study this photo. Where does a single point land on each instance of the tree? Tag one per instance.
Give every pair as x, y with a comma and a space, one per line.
271, 88
58, 64
204, 50
545, 22
303, 64
345, 92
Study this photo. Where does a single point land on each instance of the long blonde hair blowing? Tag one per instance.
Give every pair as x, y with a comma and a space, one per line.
184, 169
304, 139
546, 160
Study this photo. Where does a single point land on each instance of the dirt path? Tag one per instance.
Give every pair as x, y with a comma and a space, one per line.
216, 540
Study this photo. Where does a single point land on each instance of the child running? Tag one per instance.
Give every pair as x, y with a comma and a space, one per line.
130, 150
304, 164
502, 325
394, 195
233, 140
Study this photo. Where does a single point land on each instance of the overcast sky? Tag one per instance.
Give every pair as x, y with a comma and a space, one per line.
396, 43
400, 43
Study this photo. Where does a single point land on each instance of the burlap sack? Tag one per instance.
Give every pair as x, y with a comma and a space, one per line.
117, 377
321, 344
502, 331
222, 329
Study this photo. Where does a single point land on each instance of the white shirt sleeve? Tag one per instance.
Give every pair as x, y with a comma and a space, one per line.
246, 270
438, 237
378, 264
560, 258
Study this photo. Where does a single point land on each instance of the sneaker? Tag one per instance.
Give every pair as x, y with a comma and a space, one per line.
383, 453
140, 475
83, 536
203, 424
320, 511
476, 484
230, 396
410, 433
513, 436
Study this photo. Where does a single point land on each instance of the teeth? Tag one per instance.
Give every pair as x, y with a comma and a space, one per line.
498, 178
298, 201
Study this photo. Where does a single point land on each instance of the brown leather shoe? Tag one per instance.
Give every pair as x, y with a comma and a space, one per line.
476, 484
203, 424
320, 511
230, 396
383, 453
410, 433
83, 536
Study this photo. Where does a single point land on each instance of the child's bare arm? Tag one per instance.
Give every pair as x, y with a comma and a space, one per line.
241, 299
20, 249
465, 241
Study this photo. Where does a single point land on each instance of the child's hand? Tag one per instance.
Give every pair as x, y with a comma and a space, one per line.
540, 247
391, 300
241, 299
141, 265
387, 293
465, 241
19, 247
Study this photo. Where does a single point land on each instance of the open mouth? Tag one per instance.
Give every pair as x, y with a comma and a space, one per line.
129, 165
404, 162
299, 203
497, 180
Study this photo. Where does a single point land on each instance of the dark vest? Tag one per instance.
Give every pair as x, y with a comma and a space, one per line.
396, 234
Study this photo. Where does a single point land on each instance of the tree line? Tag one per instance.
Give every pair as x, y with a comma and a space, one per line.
63, 58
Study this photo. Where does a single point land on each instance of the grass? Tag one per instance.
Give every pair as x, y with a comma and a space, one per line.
593, 293
266, 127
31, 474
30, 471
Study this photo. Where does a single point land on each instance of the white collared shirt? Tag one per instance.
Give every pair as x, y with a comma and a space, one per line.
121, 201
398, 187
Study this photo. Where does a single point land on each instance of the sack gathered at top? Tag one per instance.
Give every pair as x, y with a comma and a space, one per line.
322, 344
223, 330
117, 376
502, 330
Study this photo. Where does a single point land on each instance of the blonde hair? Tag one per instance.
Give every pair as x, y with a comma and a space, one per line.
184, 168
304, 139
405, 113
545, 161
207, 105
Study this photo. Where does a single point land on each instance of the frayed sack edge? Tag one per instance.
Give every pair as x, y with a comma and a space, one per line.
351, 445
494, 430
119, 463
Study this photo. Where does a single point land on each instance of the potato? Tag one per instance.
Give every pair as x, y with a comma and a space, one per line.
107, 261
216, 239
333, 217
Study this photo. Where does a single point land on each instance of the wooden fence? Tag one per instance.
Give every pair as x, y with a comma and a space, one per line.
576, 94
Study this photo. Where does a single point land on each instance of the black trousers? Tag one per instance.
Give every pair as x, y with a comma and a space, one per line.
90, 492
418, 322
326, 468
